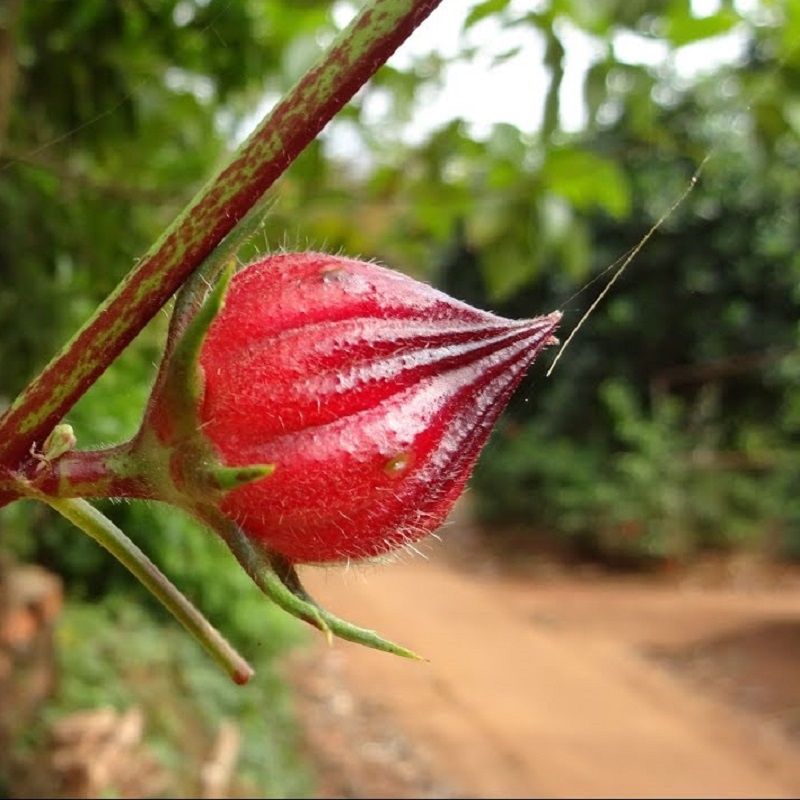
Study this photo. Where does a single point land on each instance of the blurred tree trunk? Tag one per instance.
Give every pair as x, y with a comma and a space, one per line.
9, 20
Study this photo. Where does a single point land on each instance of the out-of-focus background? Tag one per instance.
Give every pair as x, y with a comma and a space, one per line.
614, 610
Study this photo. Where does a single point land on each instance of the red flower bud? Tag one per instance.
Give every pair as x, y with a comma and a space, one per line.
370, 392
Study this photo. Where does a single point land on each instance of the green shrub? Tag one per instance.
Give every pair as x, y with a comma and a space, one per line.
666, 489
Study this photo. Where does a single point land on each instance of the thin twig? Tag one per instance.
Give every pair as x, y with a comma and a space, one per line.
86, 517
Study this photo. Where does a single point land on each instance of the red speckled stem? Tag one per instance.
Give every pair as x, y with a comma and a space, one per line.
112, 472
297, 119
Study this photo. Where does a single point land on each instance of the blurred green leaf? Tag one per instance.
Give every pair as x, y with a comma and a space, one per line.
683, 27
586, 180
483, 10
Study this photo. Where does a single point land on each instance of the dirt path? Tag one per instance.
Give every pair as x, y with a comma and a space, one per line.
557, 688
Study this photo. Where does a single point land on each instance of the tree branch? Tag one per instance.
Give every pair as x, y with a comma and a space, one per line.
9, 68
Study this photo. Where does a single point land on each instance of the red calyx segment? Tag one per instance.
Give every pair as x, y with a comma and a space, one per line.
372, 394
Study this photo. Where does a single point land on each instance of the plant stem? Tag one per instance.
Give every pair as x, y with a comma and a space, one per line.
356, 54
102, 530
110, 472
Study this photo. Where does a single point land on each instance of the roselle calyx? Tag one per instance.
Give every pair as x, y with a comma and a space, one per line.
370, 393
319, 409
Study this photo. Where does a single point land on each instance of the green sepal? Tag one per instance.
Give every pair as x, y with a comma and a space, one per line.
228, 478
191, 295
278, 579
180, 383
183, 382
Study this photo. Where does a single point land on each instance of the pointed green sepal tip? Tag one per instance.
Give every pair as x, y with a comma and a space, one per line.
183, 385
289, 594
188, 348
352, 633
228, 478
281, 583
278, 579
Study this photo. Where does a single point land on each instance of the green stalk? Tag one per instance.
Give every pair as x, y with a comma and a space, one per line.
354, 57
102, 530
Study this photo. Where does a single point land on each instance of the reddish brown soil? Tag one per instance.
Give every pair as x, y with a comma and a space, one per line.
542, 683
